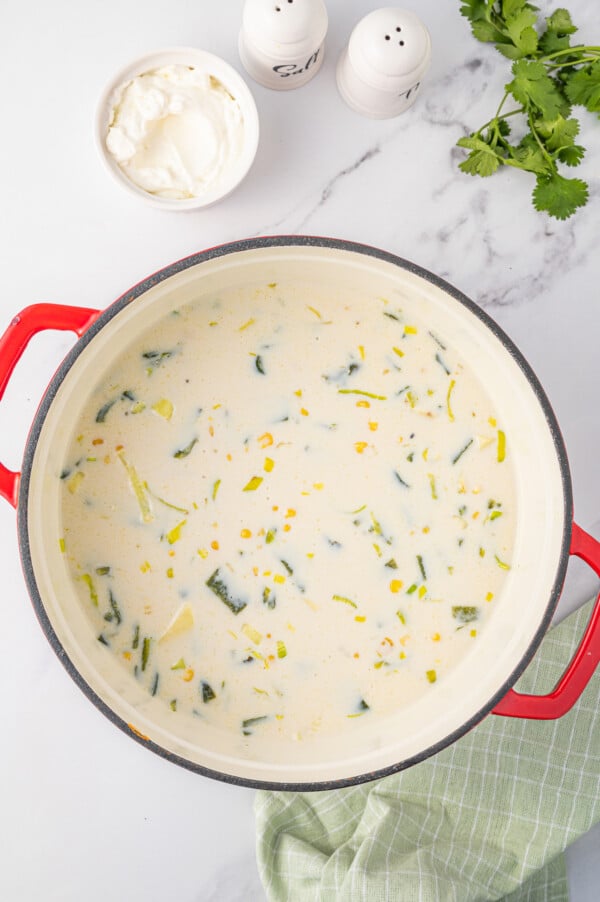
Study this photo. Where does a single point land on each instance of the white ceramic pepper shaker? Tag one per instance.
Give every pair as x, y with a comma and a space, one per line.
380, 71
281, 41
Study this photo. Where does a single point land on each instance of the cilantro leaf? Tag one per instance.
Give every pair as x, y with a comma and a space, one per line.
503, 127
486, 32
558, 28
558, 196
560, 22
476, 9
482, 160
559, 132
550, 42
520, 28
529, 156
510, 51
572, 155
479, 12
532, 87
583, 87
510, 7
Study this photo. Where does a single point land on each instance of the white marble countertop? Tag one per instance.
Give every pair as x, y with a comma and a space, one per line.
86, 813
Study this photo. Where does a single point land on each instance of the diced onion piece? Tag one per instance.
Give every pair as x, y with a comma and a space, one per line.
182, 621
252, 634
75, 481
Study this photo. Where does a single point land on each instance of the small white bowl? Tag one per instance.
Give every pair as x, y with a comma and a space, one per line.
205, 62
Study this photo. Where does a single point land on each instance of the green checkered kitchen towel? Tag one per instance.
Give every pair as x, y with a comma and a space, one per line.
487, 818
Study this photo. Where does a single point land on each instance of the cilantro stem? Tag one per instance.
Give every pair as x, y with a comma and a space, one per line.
507, 162
497, 21
501, 104
578, 49
577, 62
497, 118
539, 141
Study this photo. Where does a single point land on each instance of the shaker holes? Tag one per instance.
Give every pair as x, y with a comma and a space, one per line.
387, 37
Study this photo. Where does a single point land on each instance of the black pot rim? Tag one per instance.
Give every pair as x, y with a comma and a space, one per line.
221, 251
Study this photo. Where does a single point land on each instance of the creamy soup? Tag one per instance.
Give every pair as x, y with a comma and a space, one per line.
285, 512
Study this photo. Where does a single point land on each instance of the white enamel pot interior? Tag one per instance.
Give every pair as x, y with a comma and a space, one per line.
521, 615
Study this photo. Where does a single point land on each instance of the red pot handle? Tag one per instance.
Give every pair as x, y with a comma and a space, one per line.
33, 319
586, 658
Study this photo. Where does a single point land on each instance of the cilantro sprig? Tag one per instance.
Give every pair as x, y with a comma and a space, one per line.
549, 77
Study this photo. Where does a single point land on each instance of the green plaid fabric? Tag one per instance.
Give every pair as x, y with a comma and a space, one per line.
487, 818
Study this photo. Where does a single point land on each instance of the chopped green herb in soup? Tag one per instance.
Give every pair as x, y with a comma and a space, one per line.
285, 514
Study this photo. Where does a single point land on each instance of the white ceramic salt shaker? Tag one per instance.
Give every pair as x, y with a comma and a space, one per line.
281, 41
380, 71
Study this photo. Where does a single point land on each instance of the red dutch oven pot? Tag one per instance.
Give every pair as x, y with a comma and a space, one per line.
539, 566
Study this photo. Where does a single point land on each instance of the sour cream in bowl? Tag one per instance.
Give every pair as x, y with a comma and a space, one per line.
178, 128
